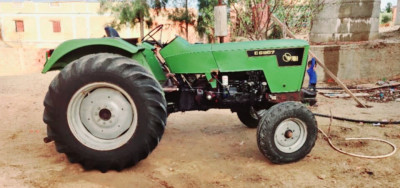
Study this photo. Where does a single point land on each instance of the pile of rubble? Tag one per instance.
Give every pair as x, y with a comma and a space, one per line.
381, 92
384, 95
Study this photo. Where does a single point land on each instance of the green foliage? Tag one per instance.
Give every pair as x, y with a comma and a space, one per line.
131, 12
205, 19
388, 7
182, 15
275, 32
298, 15
253, 17
157, 5
385, 19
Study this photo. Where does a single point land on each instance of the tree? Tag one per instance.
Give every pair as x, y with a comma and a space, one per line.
298, 14
182, 15
385, 19
205, 19
157, 5
131, 12
388, 7
253, 17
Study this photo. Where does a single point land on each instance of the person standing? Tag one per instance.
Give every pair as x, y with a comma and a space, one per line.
312, 74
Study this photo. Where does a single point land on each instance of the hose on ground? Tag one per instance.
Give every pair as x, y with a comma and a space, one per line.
373, 139
335, 88
359, 155
356, 120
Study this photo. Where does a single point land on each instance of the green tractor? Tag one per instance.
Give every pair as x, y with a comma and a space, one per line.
107, 108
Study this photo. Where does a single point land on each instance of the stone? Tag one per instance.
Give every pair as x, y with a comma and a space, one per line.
346, 20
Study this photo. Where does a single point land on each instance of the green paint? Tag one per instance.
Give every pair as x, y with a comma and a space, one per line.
183, 57
153, 63
71, 47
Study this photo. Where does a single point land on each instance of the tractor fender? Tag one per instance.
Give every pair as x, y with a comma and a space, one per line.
71, 50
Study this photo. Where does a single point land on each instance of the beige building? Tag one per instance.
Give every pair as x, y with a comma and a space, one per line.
46, 24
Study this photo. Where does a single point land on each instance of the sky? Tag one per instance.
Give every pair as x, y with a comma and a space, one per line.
384, 3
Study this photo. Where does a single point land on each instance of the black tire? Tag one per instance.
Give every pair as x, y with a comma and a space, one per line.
139, 85
278, 142
248, 119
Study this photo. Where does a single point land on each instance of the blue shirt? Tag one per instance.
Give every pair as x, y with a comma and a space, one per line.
311, 72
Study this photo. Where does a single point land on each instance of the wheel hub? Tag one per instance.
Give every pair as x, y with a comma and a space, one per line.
106, 113
290, 135
102, 116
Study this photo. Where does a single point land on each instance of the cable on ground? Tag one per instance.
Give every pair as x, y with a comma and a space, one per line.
356, 120
373, 139
359, 155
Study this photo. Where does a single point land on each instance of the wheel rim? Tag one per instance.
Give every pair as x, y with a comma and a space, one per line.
290, 135
102, 116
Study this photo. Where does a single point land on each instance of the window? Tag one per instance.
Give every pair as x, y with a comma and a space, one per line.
19, 26
56, 26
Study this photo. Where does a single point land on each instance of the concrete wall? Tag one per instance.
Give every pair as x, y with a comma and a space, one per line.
397, 16
368, 61
17, 61
346, 20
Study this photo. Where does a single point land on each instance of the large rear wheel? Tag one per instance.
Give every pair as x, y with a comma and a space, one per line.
105, 112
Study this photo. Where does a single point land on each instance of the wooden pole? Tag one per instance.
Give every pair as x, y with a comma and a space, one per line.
320, 62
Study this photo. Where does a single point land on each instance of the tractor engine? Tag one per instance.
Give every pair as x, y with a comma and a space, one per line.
233, 90
242, 87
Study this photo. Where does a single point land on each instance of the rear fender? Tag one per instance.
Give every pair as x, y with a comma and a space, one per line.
71, 50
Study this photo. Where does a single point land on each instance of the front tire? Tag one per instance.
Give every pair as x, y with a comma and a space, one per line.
105, 111
287, 132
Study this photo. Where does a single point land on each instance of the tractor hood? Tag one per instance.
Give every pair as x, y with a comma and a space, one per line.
276, 58
180, 46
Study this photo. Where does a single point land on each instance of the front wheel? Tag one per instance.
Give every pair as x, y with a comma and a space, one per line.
105, 112
287, 132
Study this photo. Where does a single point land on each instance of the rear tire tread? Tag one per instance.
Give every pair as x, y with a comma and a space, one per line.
100, 64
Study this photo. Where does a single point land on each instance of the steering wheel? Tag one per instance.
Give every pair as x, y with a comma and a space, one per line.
152, 33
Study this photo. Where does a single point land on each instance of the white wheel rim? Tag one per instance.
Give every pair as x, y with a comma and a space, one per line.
290, 135
102, 116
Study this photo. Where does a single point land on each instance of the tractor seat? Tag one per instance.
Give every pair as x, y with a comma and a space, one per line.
111, 32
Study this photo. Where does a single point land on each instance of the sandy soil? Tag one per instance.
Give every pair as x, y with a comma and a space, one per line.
199, 149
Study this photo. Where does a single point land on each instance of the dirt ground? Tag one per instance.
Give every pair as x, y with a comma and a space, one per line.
198, 149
